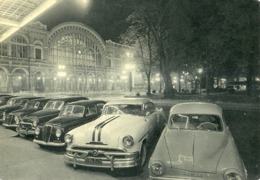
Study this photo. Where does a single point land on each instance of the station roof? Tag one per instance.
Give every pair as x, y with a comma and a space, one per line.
16, 14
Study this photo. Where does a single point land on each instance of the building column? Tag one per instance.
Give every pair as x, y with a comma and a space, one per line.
10, 83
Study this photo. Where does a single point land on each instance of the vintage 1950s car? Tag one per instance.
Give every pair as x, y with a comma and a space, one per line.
196, 144
51, 110
118, 138
72, 115
15, 104
13, 119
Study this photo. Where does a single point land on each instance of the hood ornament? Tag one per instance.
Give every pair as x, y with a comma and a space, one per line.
95, 152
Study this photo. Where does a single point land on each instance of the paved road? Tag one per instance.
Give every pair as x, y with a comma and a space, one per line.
21, 159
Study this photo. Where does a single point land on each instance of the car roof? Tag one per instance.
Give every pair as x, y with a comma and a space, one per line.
41, 99
27, 97
86, 102
130, 101
4, 95
76, 98
196, 108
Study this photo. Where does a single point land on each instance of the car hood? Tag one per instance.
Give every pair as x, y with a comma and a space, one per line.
195, 150
9, 108
65, 120
45, 112
109, 130
22, 112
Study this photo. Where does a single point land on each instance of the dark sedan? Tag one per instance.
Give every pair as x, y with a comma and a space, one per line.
14, 118
15, 104
51, 110
73, 115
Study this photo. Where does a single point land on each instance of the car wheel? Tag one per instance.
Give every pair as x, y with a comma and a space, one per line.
21, 135
143, 156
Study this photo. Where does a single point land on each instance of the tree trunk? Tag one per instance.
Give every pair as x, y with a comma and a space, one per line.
168, 91
148, 84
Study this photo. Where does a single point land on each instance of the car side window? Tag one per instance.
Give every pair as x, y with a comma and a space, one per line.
92, 110
100, 107
37, 104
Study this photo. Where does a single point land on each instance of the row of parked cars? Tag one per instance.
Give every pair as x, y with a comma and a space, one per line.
194, 143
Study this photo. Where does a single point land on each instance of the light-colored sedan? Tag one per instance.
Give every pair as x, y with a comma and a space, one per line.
119, 138
196, 144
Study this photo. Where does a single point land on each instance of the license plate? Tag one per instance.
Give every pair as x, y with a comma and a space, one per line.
93, 161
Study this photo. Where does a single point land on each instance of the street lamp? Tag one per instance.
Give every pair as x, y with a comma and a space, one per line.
200, 71
130, 67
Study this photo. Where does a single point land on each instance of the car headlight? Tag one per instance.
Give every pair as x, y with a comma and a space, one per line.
58, 133
128, 141
37, 131
35, 122
4, 115
157, 168
232, 176
17, 119
68, 138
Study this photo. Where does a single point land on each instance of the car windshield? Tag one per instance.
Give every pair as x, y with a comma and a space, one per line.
31, 105
123, 109
57, 105
73, 110
19, 102
195, 122
2, 99
11, 101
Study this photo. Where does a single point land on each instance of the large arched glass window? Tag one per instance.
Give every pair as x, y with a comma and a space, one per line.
75, 49
19, 47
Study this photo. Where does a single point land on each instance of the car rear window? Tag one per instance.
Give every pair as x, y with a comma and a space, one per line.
195, 122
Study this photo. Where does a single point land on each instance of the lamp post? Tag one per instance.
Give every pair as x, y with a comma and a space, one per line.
130, 68
200, 70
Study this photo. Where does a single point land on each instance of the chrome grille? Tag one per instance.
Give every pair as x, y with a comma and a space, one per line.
46, 134
26, 125
10, 119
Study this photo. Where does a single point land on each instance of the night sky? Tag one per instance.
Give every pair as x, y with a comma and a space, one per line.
107, 17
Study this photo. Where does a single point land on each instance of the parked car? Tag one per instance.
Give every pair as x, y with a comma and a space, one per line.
196, 144
72, 115
51, 110
118, 138
4, 99
13, 119
13, 104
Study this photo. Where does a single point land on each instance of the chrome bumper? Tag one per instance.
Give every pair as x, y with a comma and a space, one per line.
10, 125
109, 160
26, 131
49, 143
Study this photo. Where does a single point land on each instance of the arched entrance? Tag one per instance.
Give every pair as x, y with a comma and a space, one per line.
20, 80
39, 82
100, 83
91, 82
3, 81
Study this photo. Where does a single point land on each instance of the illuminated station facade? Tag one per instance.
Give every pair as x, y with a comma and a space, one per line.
70, 57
